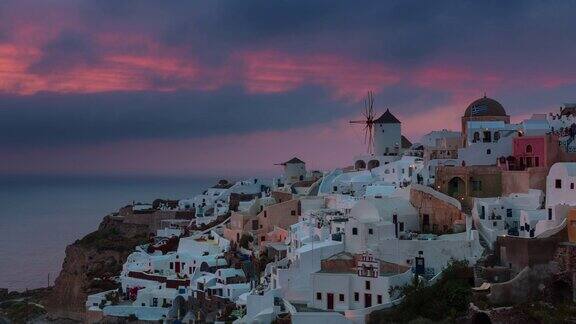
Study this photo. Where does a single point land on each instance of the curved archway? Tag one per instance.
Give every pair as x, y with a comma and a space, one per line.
360, 165
204, 266
456, 187
373, 164
476, 137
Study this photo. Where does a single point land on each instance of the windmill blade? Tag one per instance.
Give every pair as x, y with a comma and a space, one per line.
370, 138
371, 141
372, 103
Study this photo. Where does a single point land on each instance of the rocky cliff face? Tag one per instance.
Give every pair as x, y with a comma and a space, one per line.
91, 263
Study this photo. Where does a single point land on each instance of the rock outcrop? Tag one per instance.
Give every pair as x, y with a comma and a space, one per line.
91, 263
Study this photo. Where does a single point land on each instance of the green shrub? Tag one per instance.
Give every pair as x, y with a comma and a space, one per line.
448, 298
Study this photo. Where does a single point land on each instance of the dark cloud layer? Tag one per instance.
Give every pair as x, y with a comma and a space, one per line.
56, 119
503, 33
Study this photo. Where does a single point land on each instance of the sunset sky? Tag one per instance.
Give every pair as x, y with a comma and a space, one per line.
232, 87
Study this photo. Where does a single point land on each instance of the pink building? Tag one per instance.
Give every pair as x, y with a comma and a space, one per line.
535, 151
271, 219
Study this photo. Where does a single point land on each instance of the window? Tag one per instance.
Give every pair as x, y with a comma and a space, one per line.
254, 224
370, 231
367, 285
558, 183
487, 137
171, 265
528, 148
356, 296
476, 137
379, 299
263, 238
572, 185
335, 188
341, 297
536, 161
265, 214
508, 212
488, 151
354, 231
496, 136
549, 213
318, 296
401, 226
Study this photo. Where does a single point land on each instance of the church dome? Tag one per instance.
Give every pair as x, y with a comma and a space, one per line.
485, 107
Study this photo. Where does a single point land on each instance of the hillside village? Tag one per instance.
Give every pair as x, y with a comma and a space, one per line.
337, 246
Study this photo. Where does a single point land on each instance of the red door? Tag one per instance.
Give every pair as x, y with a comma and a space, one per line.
177, 267
367, 300
330, 301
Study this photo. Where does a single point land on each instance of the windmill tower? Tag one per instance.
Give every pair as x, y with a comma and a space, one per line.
368, 121
383, 135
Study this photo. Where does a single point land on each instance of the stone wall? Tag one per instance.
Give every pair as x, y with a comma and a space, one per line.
442, 215
490, 178
526, 285
518, 253
522, 181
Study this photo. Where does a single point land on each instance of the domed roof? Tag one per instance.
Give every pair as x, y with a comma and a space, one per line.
485, 107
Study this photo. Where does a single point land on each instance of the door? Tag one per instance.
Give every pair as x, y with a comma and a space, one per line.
177, 267
330, 301
367, 300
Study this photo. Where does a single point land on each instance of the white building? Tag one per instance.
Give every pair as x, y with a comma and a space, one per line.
435, 138
291, 274
375, 229
350, 282
387, 135
400, 172
501, 215
374, 220
561, 185
486, 141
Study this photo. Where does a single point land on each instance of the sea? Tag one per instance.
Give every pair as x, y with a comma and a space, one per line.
41, 215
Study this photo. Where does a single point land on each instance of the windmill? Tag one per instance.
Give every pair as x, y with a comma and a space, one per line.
368, 121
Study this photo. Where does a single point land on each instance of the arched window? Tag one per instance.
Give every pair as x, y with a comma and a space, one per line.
496, 136
476, 137
488, 151
528, 148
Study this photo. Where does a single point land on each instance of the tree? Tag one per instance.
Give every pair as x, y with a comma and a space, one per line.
245, 241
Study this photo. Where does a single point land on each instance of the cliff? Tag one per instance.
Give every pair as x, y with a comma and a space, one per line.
91, 263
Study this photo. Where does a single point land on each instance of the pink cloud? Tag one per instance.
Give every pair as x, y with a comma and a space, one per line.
272, 71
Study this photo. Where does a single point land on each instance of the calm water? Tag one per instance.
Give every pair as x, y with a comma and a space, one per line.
40, 216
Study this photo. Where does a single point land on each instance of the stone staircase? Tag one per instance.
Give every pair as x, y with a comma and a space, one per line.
479, 275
